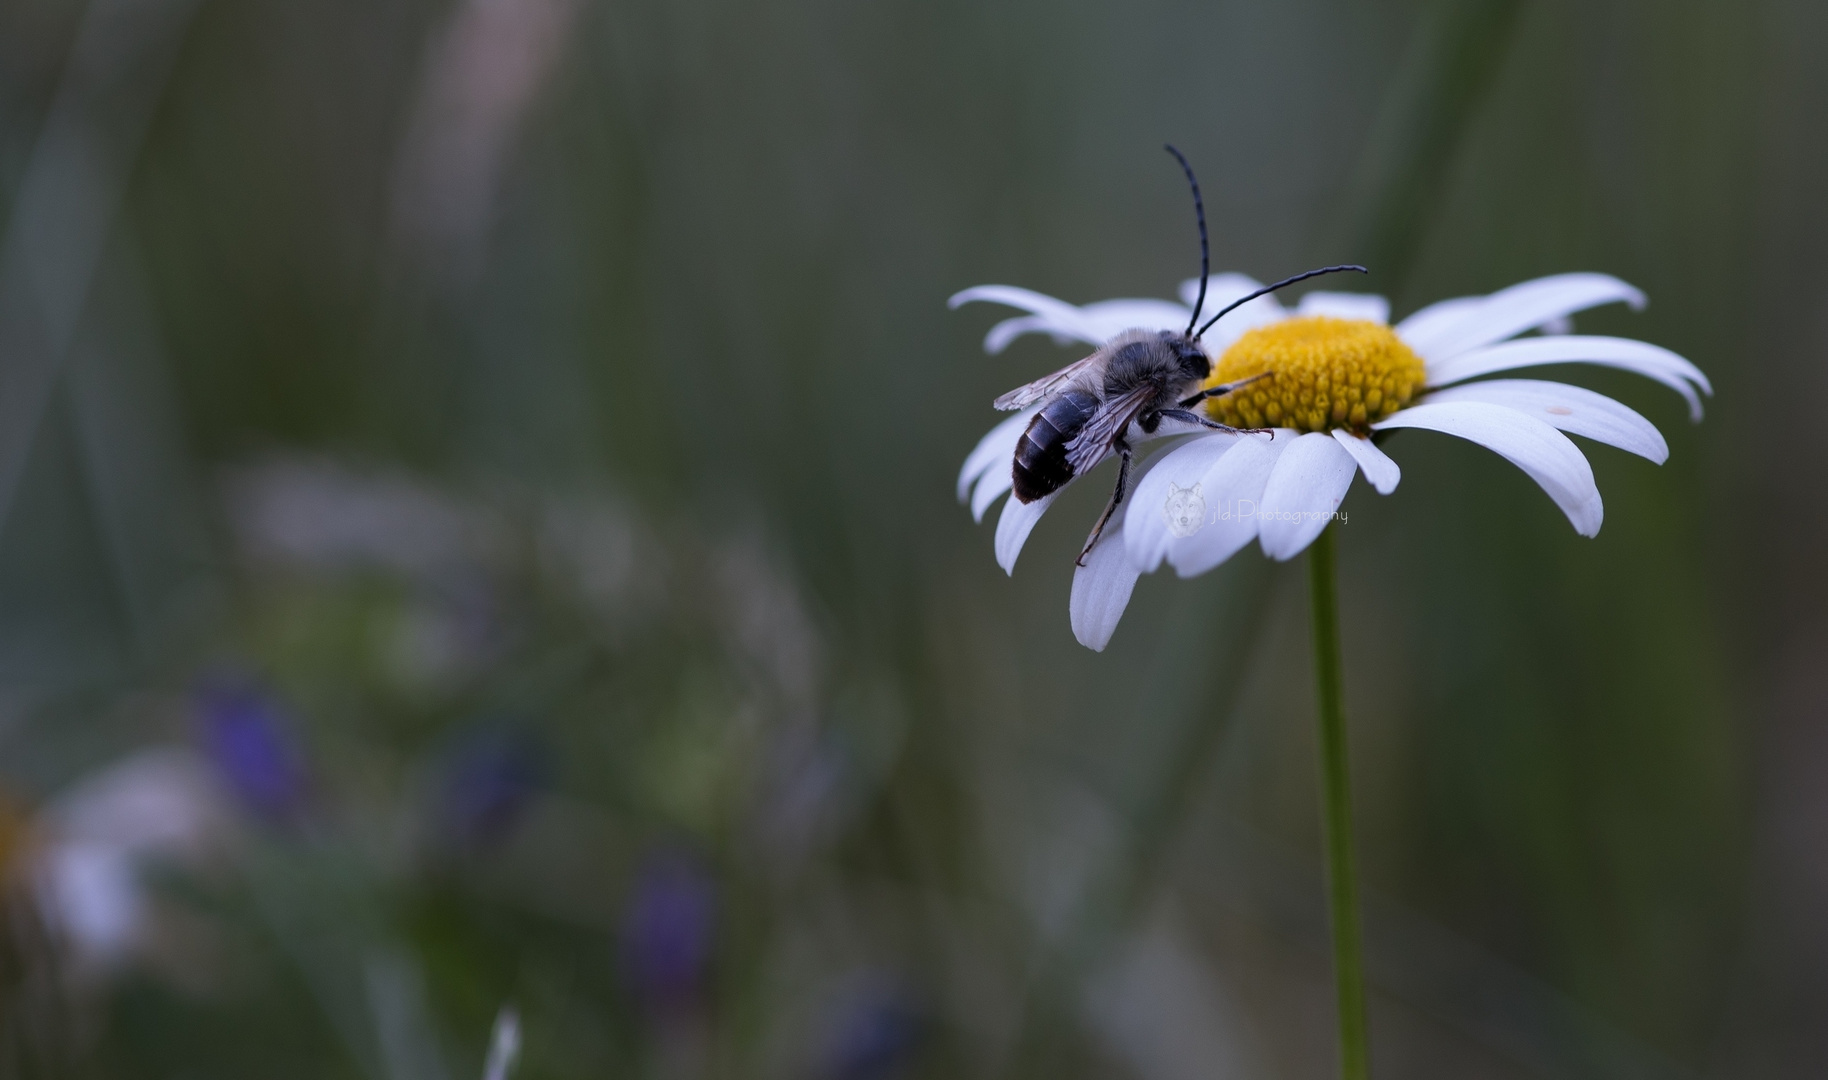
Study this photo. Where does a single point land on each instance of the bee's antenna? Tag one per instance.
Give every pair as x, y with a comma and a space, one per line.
1267, 289
1199, 211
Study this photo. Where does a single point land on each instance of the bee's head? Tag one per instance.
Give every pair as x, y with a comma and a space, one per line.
1189, 353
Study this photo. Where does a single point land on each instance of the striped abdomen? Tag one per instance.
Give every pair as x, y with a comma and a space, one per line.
1041, 467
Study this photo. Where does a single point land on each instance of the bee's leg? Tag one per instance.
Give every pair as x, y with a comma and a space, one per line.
1221, 390
1186, 417
1123, 484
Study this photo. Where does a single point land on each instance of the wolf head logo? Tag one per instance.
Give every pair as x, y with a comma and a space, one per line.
1186, 509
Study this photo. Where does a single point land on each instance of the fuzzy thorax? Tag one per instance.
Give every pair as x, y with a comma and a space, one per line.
1322, 373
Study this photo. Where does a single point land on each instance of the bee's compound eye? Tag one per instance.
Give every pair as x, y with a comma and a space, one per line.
1191, 356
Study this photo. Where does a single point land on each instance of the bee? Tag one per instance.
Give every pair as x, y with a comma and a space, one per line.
1122, 393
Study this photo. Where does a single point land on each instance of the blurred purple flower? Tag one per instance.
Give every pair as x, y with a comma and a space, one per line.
247, 736
876, 1030
667, 927
490, 778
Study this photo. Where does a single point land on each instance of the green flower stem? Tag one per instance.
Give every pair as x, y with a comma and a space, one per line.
1336, 812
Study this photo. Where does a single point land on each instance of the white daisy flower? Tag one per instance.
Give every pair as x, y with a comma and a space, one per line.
1332, 373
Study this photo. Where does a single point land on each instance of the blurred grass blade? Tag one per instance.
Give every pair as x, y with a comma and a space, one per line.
402, 1018
1449, 67
1416, 960
68, 200
138, 474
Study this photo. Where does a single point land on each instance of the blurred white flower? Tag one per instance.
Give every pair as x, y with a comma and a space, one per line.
1333, 374
318, 515
101, 834
504, 1045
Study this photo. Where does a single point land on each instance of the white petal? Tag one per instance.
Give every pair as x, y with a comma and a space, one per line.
1345, 305
1223, 289
1094, 323
1526, 442
1569, 408
1008, 330
1304, 490
998, 445
1012, 296
1146, 533
1013, 527
1233, 490
1101, 587
1049, 315
992, 486
1509, 312
1374, 463
1652, 361
1428, 324
1113, 317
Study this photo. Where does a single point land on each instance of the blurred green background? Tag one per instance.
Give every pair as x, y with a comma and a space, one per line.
476, 528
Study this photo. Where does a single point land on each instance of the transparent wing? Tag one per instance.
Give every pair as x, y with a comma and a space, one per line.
1023, 396
1094, 440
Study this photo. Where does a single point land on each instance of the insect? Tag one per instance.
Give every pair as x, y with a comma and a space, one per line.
1122, 393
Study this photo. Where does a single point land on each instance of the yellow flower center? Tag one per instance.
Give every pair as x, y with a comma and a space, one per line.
1321, 373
